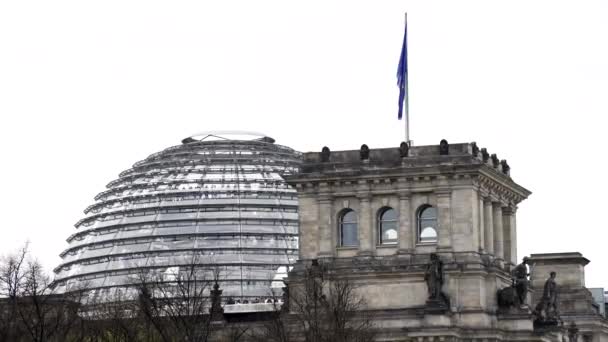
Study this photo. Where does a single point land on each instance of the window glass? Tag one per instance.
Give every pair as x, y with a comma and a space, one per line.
427, 224
388, 226
428, 234
348, 229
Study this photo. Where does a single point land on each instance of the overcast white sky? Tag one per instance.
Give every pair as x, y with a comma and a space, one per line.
89, 88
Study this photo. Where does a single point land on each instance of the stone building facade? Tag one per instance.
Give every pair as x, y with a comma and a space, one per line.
375, 217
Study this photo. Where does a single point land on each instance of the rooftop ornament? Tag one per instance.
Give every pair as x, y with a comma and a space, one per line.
325, 154
495, 161
364, 153
485, 155
404, 149
444, 147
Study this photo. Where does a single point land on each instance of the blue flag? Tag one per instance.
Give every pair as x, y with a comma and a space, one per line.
402, 75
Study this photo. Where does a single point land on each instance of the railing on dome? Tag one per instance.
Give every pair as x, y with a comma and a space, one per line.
227, 135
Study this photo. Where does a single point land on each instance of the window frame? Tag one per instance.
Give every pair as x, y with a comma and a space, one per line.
380, 225
341, 226
419, 222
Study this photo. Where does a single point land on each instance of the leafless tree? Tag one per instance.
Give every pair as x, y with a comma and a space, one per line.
321, 308
13, 273
30, 310
277, 328
113, 318
12, 278
233, 333
45, 315
176, 302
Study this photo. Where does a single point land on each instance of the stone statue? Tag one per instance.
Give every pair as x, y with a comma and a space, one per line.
364, 152
444, 147
520, 280
216, 311
433, 276
474, 149
495, 160
404, 149
507, 298
550, 292
325, 154
515, 295
485, 155
546, 311
505, 167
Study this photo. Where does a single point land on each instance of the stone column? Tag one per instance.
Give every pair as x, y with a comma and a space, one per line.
498, 231
510, 234
326, 235
488, 225
365, 225
444, 219
406, 230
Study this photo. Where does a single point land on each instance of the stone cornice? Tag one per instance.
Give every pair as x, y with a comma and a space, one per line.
504, 189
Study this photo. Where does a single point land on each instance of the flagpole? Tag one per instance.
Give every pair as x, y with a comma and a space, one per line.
407, 92
402, 82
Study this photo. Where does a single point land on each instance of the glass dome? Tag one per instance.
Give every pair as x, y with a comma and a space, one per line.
216, 198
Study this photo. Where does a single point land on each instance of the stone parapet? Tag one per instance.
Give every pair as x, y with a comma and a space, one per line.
570, 268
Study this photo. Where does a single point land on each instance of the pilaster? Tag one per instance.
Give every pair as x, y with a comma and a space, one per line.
476, 223
482, 224
406, 231
488, 225
498, 231
444, 218
327, 238
366, 226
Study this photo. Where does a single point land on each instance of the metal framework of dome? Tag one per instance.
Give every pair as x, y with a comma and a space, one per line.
217, 197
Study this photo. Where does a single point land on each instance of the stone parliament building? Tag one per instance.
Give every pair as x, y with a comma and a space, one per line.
428, 236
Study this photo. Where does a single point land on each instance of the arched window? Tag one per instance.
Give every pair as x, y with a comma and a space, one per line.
347, 224
387, 226
427, 224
